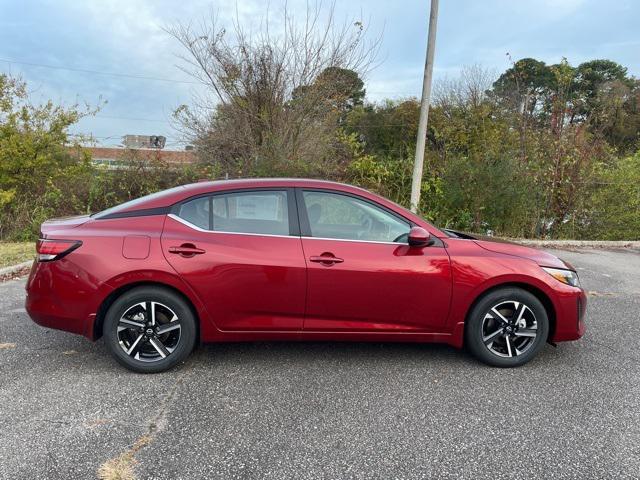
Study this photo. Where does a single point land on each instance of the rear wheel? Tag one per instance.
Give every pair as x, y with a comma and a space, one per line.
507, 327
150, 329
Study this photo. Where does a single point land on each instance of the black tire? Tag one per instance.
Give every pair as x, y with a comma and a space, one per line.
494, 341
150, 354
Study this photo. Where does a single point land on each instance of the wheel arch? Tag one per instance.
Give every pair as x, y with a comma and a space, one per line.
535, 291
116, 293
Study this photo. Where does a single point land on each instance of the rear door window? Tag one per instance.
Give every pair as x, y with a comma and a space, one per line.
257, 212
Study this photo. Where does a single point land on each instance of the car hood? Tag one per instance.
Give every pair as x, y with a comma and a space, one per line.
506, 247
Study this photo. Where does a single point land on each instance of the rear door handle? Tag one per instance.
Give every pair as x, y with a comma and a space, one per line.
186, 250
326, 259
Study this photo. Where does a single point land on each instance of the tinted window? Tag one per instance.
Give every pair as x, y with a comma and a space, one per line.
241, 212
332, 215
196, 212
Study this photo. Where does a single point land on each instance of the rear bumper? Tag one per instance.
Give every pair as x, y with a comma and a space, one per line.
49, 315
62, 296
571, 308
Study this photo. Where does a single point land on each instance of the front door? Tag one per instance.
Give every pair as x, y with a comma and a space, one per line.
362, 274
242, 255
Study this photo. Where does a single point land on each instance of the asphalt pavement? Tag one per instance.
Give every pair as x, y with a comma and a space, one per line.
330, 410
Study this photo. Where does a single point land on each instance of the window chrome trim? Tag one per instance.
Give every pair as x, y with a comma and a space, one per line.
358, 241
204, 230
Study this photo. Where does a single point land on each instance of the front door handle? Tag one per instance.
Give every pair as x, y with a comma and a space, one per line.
326, 259
186, 250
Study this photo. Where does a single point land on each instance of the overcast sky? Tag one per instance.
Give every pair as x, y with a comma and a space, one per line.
126, 36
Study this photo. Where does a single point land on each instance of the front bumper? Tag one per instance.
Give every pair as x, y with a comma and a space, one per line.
571, 307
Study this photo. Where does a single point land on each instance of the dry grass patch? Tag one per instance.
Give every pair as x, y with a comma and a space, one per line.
12, 253
121, 467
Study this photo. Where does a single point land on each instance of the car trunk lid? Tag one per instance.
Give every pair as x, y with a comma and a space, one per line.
63, 223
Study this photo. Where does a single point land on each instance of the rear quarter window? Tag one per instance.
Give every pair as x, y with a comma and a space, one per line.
197, 212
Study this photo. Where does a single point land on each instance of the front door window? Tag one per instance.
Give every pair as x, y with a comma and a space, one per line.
337, 216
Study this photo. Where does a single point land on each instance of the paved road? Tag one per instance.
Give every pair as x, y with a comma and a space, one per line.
329, 410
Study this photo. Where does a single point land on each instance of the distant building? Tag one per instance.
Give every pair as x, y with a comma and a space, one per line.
115, 157
144, 141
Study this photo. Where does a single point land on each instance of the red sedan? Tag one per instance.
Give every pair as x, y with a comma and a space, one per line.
292, 260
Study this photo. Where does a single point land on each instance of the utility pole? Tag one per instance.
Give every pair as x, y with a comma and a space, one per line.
424, 109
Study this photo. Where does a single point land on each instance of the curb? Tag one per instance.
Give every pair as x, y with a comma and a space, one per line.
634, 245
15, 268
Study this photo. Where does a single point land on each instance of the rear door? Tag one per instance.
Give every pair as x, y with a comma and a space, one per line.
241, 253
362, 274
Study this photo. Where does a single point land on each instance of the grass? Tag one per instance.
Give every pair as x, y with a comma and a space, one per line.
12, 253
121, 467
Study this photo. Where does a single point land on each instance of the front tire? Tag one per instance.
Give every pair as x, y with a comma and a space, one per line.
507, 327
150, 329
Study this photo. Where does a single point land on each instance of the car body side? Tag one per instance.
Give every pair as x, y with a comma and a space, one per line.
125, 251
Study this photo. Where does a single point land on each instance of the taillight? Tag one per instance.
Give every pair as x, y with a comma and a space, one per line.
49, 250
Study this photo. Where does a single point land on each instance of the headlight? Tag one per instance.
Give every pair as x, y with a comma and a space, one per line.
568, 277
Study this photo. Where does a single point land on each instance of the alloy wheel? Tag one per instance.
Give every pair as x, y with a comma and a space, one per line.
509, 329
149, 331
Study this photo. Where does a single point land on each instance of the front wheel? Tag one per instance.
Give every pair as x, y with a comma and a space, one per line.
150, 329
507, 327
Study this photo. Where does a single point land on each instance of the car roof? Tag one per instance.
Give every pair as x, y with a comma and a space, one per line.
174, 195
218, 185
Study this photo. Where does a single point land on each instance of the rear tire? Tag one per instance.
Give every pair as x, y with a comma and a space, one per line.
150, 329
507, 327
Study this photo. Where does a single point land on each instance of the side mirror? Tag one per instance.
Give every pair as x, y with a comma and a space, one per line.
419, 237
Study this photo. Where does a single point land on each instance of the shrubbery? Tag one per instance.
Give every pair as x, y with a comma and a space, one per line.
83, 188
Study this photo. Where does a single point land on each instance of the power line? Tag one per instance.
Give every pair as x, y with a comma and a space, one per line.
98, 72
146, 77
115, 117
351, 126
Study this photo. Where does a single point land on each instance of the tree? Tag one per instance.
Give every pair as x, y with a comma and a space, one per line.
525, 86
621, 126
386, 129
272, 102
591, 77
608, 100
